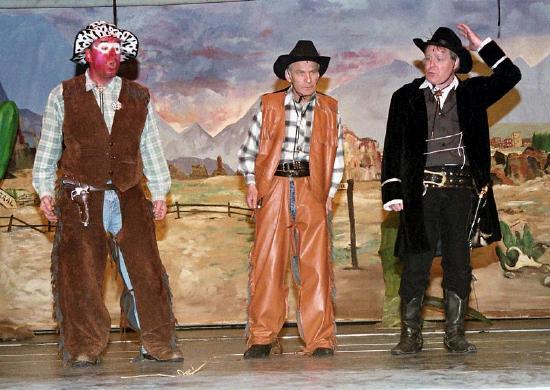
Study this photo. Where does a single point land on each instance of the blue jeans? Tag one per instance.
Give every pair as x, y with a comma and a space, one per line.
292, 199
295, 260
112, 222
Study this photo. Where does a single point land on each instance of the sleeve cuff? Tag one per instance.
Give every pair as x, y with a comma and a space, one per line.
250, 179
391, 190
157, 196
491, 54
485, 41
392, 180
45, 190
45, 193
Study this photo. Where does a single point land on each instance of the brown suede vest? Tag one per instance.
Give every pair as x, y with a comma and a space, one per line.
324, 141
91, 154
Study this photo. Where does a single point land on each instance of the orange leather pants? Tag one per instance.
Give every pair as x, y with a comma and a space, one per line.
308, 237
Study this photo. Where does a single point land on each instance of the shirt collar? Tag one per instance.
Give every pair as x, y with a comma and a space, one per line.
115, 82
427, 84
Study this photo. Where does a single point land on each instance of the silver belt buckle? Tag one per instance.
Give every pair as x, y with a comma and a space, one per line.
443, 178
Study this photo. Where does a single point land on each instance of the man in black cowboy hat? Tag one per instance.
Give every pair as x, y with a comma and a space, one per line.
436, 156
99, 133
293, 160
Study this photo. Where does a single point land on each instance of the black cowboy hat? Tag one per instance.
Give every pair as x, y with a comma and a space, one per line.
445, 37
303, 51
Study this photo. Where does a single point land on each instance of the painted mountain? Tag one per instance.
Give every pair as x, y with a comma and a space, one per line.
3, 95
364, 105
533, 94
365, 101
31, 126
228, 141
30, 123
196, 142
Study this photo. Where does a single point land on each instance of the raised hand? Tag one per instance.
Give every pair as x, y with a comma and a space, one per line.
472, 37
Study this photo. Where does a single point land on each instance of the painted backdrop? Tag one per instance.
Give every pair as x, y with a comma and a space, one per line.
206, 66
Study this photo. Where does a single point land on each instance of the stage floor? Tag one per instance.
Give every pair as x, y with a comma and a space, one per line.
511, 353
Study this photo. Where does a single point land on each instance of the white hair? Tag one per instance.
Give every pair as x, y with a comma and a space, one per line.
289, 67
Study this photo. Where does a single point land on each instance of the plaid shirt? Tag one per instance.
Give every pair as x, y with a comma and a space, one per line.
298, 125
50, 146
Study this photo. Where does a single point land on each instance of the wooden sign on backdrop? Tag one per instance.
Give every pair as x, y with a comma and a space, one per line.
7, 200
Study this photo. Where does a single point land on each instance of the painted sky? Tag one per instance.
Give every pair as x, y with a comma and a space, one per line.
208, 63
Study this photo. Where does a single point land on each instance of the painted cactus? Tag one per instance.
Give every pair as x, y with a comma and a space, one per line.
9, 120
521, 249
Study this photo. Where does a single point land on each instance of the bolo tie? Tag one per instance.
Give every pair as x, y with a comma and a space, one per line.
437, 93
100, 89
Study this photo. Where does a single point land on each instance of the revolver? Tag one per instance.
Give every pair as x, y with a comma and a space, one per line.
80, 196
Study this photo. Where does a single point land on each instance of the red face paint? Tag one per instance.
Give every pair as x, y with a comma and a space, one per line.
103, 57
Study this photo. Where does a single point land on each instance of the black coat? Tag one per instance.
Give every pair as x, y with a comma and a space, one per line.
405, 144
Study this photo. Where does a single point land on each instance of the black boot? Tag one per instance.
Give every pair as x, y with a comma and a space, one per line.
455, 310
323, 352
258, 351
411, 329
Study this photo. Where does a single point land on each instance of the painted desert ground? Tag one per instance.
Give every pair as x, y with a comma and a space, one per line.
206, 257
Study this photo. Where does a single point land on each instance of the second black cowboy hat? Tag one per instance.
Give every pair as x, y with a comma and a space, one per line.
446, 37
303, 51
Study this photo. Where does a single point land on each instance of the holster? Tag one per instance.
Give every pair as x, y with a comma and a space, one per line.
79, 195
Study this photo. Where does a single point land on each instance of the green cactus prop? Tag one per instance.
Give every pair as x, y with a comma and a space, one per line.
9, 121
472, 313
391, 267
521, 249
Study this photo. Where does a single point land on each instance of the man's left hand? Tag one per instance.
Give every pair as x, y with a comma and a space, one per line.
472, 37
159, 209
328, 205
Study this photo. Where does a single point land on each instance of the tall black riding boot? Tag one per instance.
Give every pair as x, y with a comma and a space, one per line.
411, 328
455, 310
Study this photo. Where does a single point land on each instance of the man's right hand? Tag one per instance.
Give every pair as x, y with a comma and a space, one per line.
252, 196
397, 206
47, 205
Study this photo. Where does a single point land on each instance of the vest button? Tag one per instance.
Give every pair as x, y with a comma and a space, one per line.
111, 143
110, 172
113, 157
